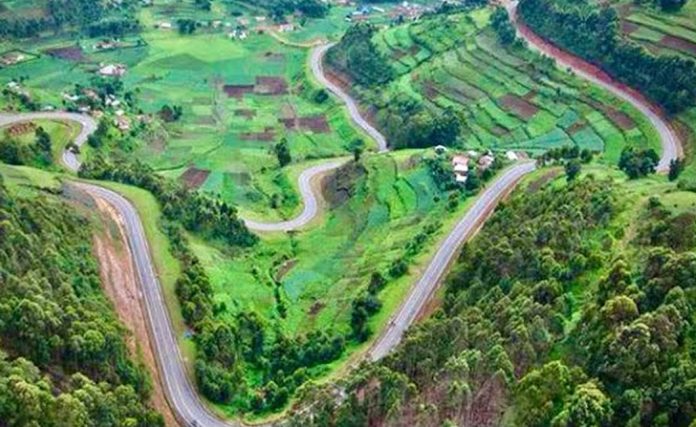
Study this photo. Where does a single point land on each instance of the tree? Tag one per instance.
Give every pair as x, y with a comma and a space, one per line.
320, 96
587, 407
500, 21
186, 25
676, 166
572, 169
638, 163
357, 153
282, 151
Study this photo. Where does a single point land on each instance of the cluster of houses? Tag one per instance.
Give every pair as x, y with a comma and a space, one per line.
404, 10
17, 88
462, 162
241, 29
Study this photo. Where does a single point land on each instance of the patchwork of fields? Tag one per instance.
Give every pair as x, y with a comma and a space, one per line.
321, 270
507, 97
671, 33
665, 33
239, 98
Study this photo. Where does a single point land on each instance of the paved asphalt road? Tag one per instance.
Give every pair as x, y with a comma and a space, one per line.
671, 145
427, 284
181, 393
311, 203
88, 124
316, 62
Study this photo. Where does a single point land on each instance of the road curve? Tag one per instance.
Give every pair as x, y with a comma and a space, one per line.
181, 393
671, 145
87, 123
428, 283
317, 65
311, 203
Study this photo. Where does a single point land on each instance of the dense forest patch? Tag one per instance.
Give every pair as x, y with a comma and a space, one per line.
63, 358
553, 315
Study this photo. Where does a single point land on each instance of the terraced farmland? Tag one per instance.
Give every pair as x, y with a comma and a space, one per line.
508, 98
672, 33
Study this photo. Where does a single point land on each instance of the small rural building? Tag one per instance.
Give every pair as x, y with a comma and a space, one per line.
512, 156
286, 28
486, 161
122, 123
460, 165
165, 25
112, 70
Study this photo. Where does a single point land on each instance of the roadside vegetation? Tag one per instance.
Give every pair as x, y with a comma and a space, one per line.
564, 311
63, 356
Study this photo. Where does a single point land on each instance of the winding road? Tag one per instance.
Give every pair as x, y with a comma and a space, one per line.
180, 391
671, 145
87, 127
309, 198
317, 65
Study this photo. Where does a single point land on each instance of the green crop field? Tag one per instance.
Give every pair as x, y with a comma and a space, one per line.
661, 32
664, 33
507, 97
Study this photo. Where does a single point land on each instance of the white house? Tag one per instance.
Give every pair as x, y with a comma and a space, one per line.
112, 70
460, 165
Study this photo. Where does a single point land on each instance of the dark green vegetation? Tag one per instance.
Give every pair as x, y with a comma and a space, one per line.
94, 17
564, 311
198, 212
278, 9
63, 359
357, 56
38, 153
592, 32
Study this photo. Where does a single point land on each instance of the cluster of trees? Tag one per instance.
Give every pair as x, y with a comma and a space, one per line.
92, 16
186, 25
661, 227
570, 156
63, 357
197, 212
278, 9
171, 114
38, 153
358, 57
594, 34
365, 305
666, 5
638, 163
408, 124
282, 152
500, 21
113, 27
